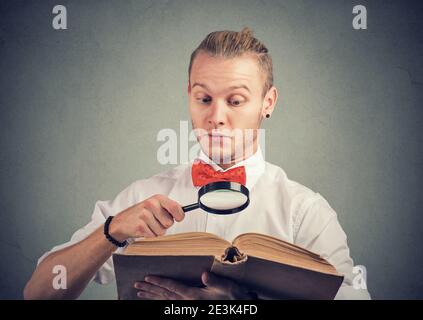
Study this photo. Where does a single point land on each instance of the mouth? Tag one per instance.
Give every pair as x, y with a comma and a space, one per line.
218, 138
217, 135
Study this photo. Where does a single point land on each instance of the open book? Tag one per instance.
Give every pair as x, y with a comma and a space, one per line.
272, 268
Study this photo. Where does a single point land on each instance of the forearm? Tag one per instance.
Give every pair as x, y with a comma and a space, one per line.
81, 261
148, 218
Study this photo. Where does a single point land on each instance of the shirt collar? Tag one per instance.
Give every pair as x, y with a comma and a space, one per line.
254, 166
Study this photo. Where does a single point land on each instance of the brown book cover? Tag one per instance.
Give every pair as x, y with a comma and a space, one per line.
271, 267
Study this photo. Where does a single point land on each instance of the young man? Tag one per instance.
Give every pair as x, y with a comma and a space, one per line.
230, 91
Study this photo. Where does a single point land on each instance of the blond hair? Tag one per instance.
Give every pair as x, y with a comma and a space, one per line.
231, 44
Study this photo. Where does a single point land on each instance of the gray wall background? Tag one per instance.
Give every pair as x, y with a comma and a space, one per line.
81, 108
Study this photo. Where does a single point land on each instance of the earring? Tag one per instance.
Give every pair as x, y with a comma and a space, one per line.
267, 116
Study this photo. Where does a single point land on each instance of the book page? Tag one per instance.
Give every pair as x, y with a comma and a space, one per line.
188, 244
271, 248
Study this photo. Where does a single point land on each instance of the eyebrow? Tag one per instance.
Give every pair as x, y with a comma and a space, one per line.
242, 86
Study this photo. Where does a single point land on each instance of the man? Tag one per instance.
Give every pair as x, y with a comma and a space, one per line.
230, 89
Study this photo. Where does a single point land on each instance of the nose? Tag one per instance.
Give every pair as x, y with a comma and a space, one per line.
217, 116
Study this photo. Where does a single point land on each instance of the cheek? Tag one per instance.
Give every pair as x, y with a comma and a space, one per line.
246, 117
197, 119
195, 114
198, 116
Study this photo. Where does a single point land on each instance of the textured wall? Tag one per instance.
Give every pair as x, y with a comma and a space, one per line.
81, 108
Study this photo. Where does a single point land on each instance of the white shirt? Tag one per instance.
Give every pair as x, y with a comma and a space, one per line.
278, 207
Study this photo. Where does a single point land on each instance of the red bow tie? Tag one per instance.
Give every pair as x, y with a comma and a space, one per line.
203, 173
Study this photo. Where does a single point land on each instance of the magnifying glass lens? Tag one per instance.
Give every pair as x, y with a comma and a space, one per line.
223, 199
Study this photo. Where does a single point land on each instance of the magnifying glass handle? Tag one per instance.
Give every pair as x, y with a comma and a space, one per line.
190, 207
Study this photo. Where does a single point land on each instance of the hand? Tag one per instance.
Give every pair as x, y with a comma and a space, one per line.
216, 288
149, 218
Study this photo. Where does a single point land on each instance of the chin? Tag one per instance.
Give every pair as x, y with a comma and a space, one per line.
219, 155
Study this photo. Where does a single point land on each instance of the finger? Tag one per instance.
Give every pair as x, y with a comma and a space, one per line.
156, 290
169, 284
145, 231
224, 285
152, 222
161, 214
172, 207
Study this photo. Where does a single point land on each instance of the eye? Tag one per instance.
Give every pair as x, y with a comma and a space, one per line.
236, 101
204, 100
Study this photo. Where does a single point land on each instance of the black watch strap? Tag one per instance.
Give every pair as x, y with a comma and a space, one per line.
109, 237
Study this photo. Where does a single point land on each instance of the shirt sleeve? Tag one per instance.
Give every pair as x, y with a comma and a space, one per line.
317, 229
102, 210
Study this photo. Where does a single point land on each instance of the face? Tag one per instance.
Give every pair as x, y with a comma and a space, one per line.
227, 106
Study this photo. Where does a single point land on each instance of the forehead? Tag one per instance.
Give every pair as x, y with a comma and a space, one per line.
219, 72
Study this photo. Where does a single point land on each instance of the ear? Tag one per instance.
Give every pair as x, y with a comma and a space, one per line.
189, 87
269, 102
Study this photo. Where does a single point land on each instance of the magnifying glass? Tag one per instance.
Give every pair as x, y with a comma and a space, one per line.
222, 197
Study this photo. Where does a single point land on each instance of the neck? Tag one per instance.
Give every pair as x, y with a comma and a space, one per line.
228, 165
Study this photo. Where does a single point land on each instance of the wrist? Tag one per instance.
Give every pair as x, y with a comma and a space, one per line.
111, 232
115, 232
